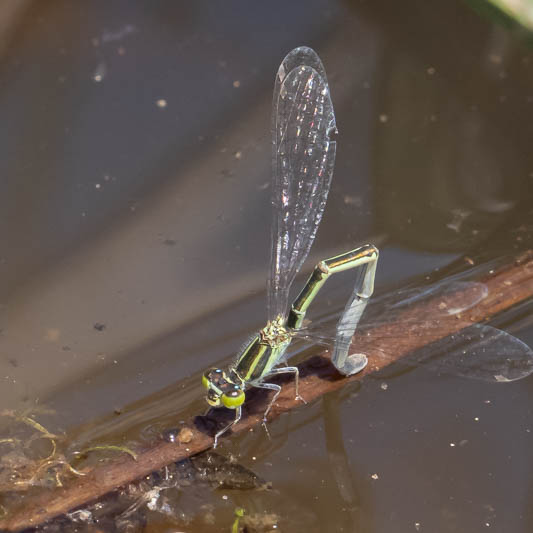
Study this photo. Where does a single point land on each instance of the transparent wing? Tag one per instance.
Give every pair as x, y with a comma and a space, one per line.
453, 297
303, 157
478, 352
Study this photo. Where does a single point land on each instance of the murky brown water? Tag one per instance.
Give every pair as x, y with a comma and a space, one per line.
134, 227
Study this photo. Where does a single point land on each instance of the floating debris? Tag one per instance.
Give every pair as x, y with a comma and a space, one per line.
185, 435
109, 36
107, 447
239, 513
125, 509
220, 472
27, 464
100, 72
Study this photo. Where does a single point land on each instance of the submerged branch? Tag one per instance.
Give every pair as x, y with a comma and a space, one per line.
511, 284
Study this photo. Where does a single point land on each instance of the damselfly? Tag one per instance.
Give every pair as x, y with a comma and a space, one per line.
303, 155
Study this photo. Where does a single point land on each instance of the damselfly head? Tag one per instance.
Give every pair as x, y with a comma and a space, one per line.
221, 390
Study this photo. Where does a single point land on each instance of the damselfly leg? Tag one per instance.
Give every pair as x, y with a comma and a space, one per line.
238, 415
287, 370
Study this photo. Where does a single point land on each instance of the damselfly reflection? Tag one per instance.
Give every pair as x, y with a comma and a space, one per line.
303, 156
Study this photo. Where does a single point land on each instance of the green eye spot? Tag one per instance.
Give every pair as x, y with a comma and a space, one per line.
233, 399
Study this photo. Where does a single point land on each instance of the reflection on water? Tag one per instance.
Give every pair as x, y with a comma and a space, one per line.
134, 223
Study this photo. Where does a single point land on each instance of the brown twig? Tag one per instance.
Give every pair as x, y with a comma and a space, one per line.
511, 284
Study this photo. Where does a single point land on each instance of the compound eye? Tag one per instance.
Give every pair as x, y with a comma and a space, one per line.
212, 398
233, 399
210, 376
